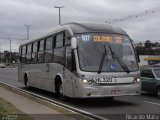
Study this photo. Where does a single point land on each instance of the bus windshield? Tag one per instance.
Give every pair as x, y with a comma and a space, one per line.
106, 53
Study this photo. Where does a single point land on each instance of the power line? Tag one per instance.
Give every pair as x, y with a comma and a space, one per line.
141, 14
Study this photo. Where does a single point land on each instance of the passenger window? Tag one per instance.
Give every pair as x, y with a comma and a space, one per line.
23, 50
34, 53
35, 46
28, 55
147, 73
49, 50
29, 48
23, 56
59, 55
67, 38
68, 57
49, 43
59, 40
41, 47
41, 51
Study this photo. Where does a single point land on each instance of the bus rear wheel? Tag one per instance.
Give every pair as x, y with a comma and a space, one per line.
26, 82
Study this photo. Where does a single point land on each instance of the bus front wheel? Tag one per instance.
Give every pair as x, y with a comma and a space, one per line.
60, 91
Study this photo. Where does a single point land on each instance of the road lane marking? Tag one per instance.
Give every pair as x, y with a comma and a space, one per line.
152, 103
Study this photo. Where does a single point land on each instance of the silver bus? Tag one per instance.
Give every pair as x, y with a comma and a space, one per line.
81, 60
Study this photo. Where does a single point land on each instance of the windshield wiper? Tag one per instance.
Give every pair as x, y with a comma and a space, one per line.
121, 63
102, 60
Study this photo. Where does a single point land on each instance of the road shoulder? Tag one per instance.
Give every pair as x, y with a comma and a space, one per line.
32, 107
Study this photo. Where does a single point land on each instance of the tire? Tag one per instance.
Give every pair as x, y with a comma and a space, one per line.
26, 82
158, 92
60, 92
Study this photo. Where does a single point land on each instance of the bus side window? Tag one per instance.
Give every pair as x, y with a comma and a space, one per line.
41, 51
59, 49
67, 38
60, 40
34, 52
23, 56
69, 57
49, 49
28, 54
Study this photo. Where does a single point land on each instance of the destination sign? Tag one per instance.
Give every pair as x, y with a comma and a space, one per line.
102, 38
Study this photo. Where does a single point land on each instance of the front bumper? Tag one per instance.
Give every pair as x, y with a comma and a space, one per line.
107, 91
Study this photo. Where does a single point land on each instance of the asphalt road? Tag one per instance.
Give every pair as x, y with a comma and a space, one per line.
126, 107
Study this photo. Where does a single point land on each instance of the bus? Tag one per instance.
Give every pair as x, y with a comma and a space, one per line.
81, 60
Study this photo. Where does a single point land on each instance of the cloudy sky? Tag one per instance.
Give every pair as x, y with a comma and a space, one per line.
42, 15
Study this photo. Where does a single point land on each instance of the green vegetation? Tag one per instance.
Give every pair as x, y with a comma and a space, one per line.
53, 106
7, 110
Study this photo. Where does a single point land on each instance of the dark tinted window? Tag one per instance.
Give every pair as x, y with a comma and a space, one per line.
147, 73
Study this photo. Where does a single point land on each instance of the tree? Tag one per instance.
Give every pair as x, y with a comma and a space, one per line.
148, 44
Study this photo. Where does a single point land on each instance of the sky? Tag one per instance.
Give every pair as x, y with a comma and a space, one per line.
41, 15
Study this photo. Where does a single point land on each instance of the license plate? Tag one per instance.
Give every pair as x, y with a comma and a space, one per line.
115, 91
104, 80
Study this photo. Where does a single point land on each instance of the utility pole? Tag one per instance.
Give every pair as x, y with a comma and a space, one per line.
28, 28
59, 7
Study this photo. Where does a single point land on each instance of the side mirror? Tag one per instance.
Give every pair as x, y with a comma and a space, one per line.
138, 58
73, 43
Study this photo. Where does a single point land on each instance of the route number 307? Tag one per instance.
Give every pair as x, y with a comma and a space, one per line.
85, 37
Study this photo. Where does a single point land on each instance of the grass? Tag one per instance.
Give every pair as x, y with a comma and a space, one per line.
7, 110
52, 106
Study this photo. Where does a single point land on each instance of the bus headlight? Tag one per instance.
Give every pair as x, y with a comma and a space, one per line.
86, 81
137, 80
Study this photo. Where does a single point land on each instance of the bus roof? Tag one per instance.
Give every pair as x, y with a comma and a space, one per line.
88, 27
80, 27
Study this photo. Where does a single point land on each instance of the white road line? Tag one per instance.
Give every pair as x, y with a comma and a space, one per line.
152, 103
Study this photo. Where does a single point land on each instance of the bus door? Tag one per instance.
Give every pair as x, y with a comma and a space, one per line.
68, 82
